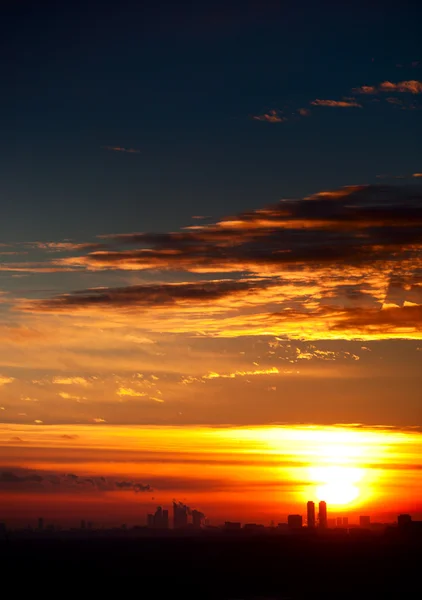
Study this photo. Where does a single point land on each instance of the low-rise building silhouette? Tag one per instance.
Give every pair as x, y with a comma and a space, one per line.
294, 521
365, 521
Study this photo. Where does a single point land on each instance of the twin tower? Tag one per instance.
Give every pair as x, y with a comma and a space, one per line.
322, 515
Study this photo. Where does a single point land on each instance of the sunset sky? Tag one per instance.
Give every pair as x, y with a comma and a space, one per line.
210, 259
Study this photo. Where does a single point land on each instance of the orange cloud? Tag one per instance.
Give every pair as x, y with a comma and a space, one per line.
71, 381
337, 103
273, 116
298, 266
412, 86
233, 375
122, 391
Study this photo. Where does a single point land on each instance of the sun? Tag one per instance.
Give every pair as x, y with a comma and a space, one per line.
337, 485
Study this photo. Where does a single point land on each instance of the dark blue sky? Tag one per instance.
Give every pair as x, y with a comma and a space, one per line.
181, 85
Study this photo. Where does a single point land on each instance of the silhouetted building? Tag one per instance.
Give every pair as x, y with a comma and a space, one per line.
322, 515
365, 522
404, 520
180, 515
339, 522
232, 526
294, 521
82, 524
198, 519
40, 524
345, 522
253, 527
158, 518
165, 521
310, 509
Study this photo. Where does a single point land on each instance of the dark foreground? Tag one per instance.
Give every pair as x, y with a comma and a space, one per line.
224, 567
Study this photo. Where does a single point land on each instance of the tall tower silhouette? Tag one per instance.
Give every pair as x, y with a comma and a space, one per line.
310, 510
322, 515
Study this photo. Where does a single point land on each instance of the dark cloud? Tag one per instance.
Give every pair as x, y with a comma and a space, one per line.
121, 149
10, 477
23, 479
352, 225
297, 261
148, 296
131, 485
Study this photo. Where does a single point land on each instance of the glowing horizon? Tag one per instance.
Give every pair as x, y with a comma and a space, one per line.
249, 473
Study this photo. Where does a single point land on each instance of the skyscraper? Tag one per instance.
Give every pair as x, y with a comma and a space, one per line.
180, 515
158, 518
322, 515
198, 519
311, 514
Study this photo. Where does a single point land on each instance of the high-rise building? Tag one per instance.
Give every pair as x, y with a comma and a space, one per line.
339, 521
150, 520
40, 524
322, 515
294, 521
165, 521
180, 515
345, 521
404, 520
310, 508
198, 519
158, 518
365, 522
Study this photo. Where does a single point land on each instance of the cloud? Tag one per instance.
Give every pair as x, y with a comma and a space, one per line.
69, 436
98, 420
55, 481
61, 380
304, 112
412, 87
121, 149
233, 375
4, 379
272, 116
337, 103
131, 485
290, 268
417, 175
149, 296
67, 396
123, 391
67, 246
